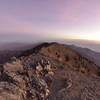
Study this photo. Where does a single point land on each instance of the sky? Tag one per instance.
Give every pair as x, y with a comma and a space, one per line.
28, 20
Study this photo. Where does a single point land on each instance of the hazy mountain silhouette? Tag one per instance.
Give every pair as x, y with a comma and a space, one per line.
88, 53
17, 46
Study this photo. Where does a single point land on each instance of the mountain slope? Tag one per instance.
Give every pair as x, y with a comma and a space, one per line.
92, 55
50, 72
69, 57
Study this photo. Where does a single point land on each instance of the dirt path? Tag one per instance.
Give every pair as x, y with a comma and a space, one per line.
57, 85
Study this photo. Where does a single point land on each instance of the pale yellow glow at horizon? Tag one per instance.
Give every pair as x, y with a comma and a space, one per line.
94, 37
81, 36
91, 36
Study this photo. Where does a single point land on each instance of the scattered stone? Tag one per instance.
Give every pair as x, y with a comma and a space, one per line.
69, 84
39, 68
47, 67
51, 73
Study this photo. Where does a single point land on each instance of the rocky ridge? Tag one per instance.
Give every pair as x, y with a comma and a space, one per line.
49, 72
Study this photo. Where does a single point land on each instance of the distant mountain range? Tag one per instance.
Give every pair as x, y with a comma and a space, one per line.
88, 53
17, 46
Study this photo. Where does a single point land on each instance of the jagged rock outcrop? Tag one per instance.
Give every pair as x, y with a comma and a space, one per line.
27, 78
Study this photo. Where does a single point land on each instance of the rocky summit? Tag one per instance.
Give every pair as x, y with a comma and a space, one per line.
50, 71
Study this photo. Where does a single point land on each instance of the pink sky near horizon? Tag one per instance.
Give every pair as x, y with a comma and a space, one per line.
74, 19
